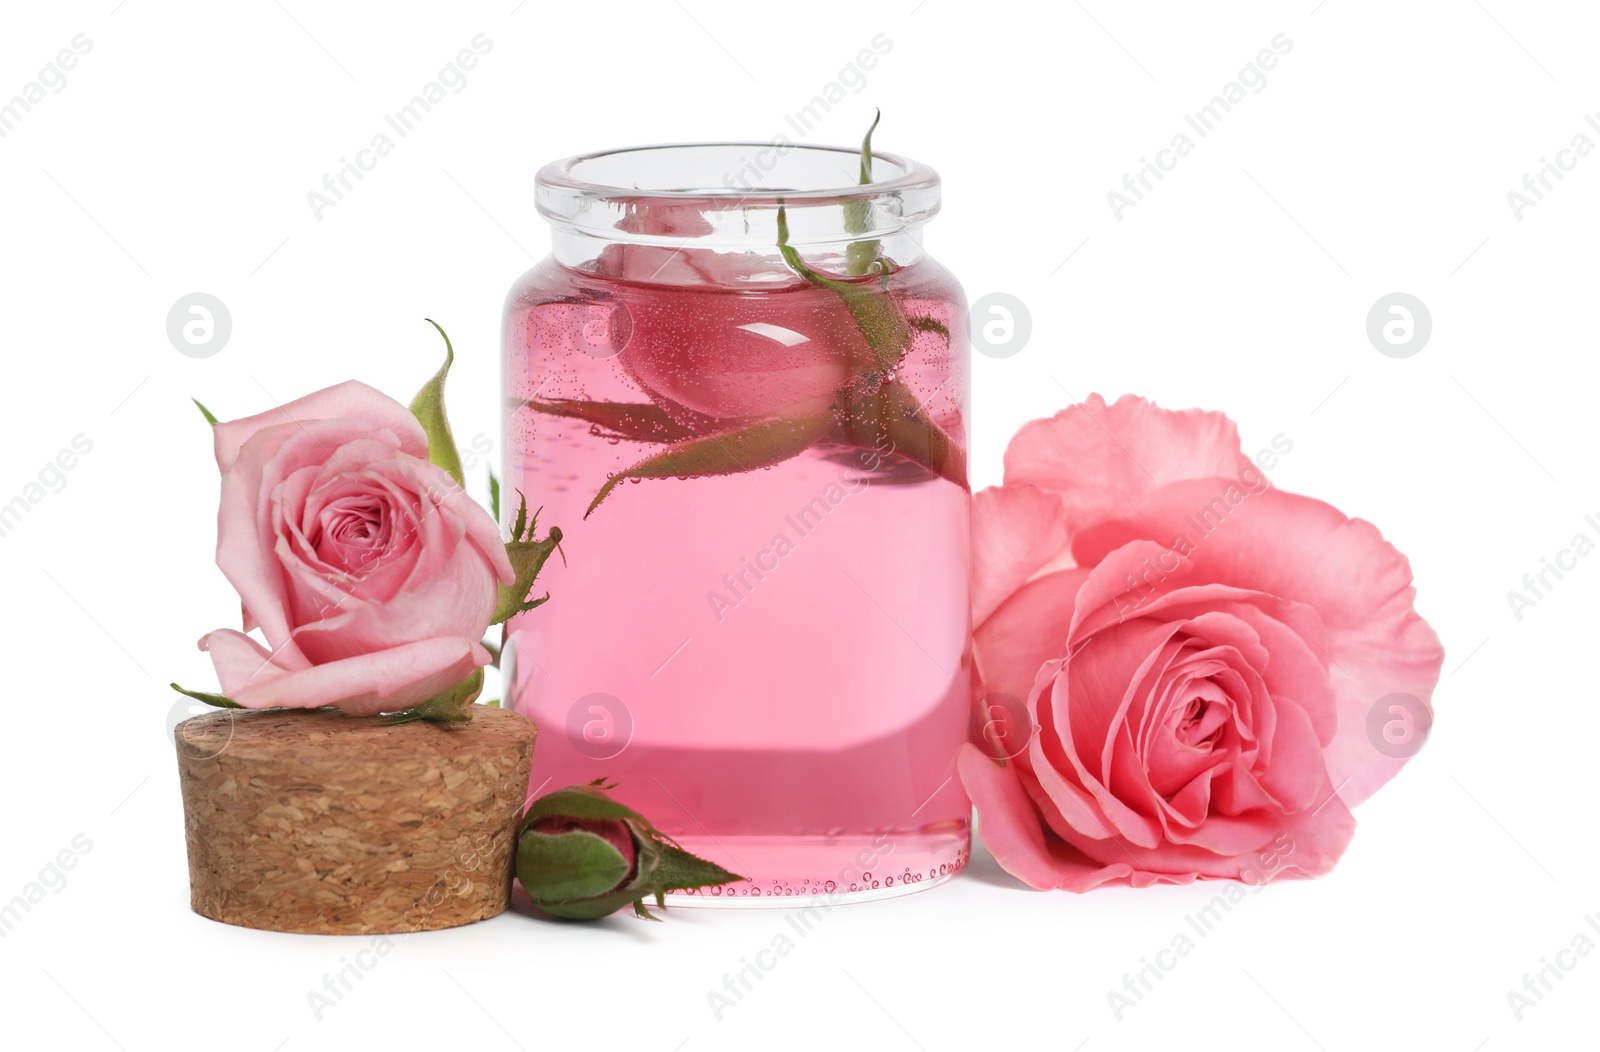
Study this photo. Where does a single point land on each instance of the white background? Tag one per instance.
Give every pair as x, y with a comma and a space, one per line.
1377, 159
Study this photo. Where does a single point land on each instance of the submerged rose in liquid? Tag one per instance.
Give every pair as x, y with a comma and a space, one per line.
772, 664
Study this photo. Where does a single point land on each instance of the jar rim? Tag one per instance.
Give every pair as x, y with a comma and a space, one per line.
588, 191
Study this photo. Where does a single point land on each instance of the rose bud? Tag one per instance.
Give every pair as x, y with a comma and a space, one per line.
582, 855
577, 858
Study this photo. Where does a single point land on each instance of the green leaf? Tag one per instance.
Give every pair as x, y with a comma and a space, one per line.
205, 412
636, 422
561, 867
428, 408
218, 700
528, 555
450, 706
494, 496
757, 445
875, 313
859, 255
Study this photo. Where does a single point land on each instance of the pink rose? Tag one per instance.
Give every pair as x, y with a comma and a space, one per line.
782, 355
708, 360
1181, 665
371, 574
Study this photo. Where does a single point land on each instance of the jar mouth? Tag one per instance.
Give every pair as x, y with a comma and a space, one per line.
730, 192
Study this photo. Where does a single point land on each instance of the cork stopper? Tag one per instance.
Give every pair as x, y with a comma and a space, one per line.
319, 822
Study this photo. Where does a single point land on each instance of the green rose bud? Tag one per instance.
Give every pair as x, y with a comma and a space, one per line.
582, 855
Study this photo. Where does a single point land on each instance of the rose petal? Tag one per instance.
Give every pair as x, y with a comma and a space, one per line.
1088, 703
385, 681
458, 601
351, 401
1015, 531
239, 660
1009, 826
1306, 552
245, 537
1100, 459
1286, 629
1296, 772
1307, 844
1027, 630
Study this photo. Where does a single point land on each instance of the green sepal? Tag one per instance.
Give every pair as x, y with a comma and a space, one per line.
580, 801
677, 870
866, 147
757, 445
572, 865
633, 421
875, 314
428, 408
859, 255
588, 909
219, 700
528, 554
210, 419
450, 706
494, 496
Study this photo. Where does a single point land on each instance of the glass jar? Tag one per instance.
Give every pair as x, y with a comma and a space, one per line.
758, 625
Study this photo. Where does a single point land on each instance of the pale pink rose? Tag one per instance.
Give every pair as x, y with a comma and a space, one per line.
782, 356
1178, 661
371, 574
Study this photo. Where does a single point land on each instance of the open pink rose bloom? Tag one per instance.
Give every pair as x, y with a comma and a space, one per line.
1179, 663
368, 570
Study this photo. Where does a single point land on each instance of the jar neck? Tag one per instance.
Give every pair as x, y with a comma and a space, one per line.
669, 205
697, 261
